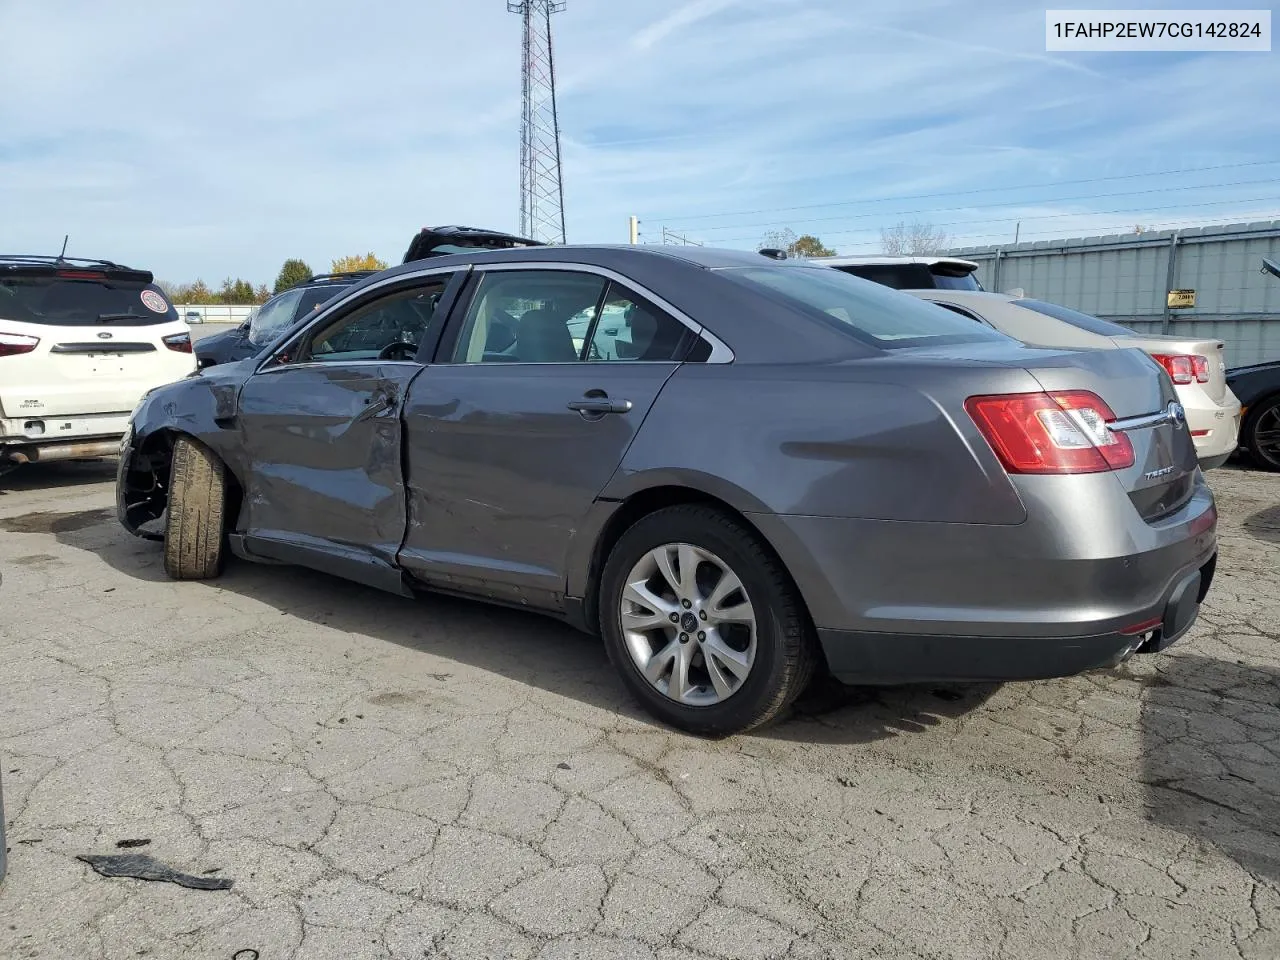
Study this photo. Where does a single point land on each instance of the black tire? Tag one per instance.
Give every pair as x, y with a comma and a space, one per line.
785, 658
193, 529
1265, 415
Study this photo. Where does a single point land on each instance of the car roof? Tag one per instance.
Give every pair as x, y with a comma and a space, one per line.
890, 260
349, 276
37, 265
685, 277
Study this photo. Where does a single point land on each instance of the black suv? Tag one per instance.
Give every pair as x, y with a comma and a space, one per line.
295, 304
283, 310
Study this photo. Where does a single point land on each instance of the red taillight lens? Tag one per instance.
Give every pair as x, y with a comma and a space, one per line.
1184, 369
1061, 432
12, 344
82, 274
178, 341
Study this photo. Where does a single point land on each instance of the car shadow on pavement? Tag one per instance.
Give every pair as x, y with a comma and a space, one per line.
521, 646
58, 475
1264, 525
1211, 756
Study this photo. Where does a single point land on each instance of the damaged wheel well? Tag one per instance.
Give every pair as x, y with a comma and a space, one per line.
145, 482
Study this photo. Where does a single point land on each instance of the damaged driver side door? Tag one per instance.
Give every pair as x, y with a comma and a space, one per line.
321, 431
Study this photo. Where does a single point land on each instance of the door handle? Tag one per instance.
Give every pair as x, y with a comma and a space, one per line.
600, 405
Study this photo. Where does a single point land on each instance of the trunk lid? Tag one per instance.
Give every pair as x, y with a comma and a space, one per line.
1211, 349
442, 241
1137, 390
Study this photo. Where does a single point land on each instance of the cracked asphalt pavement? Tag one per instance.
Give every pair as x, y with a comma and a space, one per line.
387, 778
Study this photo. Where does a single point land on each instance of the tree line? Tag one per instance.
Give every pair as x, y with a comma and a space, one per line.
239, 292
912, 239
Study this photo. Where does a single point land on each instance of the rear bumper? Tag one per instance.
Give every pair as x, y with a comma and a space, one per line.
1214, 427
46, 430
883, 658
925, 600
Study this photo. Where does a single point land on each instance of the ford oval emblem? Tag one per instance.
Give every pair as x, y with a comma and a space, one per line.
104, 335
1177, 416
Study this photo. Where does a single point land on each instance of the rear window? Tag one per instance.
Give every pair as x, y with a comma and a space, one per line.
915, 276
1077, 319
61, 302
954, 278
869, 311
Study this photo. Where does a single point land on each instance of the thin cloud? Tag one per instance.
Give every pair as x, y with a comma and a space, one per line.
686, 16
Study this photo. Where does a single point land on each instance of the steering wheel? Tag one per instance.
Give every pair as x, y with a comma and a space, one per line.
398, 350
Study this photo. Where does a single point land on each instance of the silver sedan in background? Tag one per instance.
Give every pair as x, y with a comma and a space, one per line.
1195, 366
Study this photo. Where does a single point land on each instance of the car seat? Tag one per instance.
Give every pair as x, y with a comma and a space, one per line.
543, 337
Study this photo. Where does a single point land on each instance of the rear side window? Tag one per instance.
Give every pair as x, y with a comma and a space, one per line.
63, 302
870, 312
1084, 321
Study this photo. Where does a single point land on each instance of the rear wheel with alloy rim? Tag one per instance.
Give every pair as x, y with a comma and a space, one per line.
703, 621
1261, 433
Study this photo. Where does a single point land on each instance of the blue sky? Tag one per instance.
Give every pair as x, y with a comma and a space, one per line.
215, 139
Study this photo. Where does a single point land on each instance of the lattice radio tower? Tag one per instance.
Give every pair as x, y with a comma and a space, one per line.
541, 192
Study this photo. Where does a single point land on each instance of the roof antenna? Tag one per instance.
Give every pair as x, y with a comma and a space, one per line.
63, 254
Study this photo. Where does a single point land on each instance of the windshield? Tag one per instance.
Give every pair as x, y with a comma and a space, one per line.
55, 301
867, 310
291, 308
274, 317
1084, 321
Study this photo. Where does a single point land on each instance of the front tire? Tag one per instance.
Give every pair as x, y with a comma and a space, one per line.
703, 622
1261, 434
193, 529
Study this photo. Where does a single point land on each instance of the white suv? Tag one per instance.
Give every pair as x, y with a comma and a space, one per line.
80, 342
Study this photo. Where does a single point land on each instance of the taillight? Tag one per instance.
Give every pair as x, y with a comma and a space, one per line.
1183, 369
178, 341
1061, 432
82, 274
12, 344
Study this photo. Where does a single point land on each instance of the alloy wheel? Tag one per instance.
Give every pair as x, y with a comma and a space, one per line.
688, 624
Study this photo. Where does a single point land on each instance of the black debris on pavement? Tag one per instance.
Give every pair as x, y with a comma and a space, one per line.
127, 844
563, 766
142, 867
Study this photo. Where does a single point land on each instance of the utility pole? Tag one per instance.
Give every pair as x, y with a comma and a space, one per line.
541, 188
633, 230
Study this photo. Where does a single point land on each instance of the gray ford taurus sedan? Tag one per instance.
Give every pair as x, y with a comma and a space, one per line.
740, 471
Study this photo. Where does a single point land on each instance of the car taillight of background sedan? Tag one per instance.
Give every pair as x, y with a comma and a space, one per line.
1184, 369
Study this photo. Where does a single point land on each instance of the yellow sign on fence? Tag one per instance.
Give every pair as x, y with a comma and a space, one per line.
1181, 299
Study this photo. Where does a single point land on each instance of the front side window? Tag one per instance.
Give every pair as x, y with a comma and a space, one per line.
388, 328
872, 313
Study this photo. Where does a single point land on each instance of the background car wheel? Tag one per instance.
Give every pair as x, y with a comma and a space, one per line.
1261, 434
703, 622
194, 520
